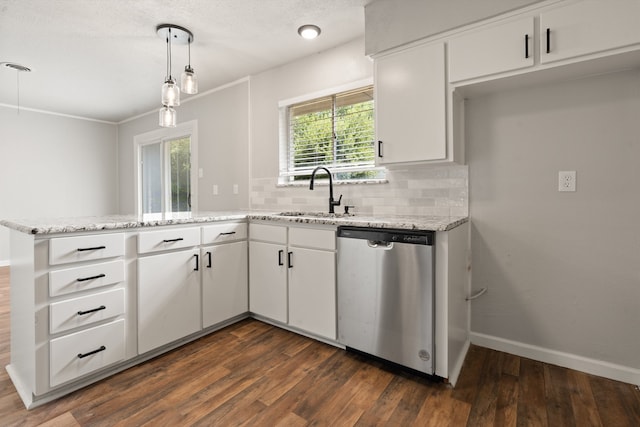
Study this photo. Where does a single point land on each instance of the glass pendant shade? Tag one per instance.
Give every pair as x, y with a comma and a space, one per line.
189, 81
167, 117
170, 94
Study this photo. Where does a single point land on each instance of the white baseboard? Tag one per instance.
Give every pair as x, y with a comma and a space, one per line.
4, 263
567, 360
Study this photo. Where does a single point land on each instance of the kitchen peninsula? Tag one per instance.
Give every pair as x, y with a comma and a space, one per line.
93, 296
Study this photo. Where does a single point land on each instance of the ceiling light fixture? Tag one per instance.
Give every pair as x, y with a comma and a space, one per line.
189, 80
309, 31
20, 69
170, 90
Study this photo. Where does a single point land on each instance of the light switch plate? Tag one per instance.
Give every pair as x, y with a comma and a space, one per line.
567, 181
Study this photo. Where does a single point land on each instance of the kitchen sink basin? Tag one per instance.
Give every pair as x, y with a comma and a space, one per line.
315, 214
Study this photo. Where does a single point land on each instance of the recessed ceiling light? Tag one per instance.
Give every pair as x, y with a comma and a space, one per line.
309, 31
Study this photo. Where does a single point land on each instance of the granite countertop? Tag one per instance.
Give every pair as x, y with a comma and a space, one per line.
403, 222
118, 222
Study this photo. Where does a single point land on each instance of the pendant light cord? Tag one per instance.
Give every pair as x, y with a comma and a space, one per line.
18, 89
189, 52
169, 42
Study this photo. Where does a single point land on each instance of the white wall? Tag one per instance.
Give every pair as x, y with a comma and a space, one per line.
223, 148
55, 166
561, 268
325, 70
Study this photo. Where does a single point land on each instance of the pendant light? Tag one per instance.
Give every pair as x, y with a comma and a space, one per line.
189, 80
168, 117
170, 90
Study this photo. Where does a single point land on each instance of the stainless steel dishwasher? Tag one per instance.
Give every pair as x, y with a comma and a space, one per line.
386, 294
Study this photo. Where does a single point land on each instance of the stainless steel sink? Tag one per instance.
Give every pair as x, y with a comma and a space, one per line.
315, 214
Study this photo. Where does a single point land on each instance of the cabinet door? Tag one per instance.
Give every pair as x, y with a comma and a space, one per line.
268, 280
497, 49
589, 26
312, 291
225, 287
410, 105
168, 298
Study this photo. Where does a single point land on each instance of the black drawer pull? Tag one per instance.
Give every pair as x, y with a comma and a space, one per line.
380, 149
98, 350
84, 279
290, 259
208, 259
197, 262
227, 234
95, 248
280, 253
93, 310
526, 46
173, 240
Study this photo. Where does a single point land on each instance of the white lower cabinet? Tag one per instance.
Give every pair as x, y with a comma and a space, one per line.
80, 353
169, 300
225, 287
268, 280
312, 291
292, 278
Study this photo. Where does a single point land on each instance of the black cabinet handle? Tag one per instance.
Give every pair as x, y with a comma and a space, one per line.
81, 355
227, 234
95, 248
290, 259
526, 46
280, 253
173, 240
84, 279
93, 310
380, 149
197, 262
209, 259
548, 40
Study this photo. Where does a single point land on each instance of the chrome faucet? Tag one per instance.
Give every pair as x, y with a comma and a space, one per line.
332, 202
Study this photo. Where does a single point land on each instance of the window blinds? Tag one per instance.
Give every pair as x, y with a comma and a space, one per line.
335, 131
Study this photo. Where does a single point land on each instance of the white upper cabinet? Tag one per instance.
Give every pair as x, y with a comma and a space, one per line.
586, 27
500, 48
411, 105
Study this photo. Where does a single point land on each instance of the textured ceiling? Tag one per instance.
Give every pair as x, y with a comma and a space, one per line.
102, 59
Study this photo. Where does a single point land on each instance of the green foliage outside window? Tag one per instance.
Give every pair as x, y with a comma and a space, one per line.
336, 132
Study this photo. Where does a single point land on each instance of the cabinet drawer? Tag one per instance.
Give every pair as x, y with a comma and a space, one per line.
84, 311
219, 233
312, 238
162, 240
92, 276
64, 250
86, 351
268, 233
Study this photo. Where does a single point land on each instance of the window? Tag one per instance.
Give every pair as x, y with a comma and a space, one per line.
336, 131
165, 161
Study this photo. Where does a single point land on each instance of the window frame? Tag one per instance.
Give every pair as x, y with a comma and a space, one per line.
285, 175
187, 129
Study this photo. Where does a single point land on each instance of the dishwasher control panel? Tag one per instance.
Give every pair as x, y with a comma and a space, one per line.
415, 237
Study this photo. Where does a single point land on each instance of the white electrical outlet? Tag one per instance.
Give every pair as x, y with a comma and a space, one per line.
235, 188
215, 189
200, 173
567, 181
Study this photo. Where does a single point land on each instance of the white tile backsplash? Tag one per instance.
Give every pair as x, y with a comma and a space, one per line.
412, 190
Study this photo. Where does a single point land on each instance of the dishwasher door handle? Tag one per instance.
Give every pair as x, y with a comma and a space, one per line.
378, 244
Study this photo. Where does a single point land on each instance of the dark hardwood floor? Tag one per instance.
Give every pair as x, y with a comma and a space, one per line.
254, 374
